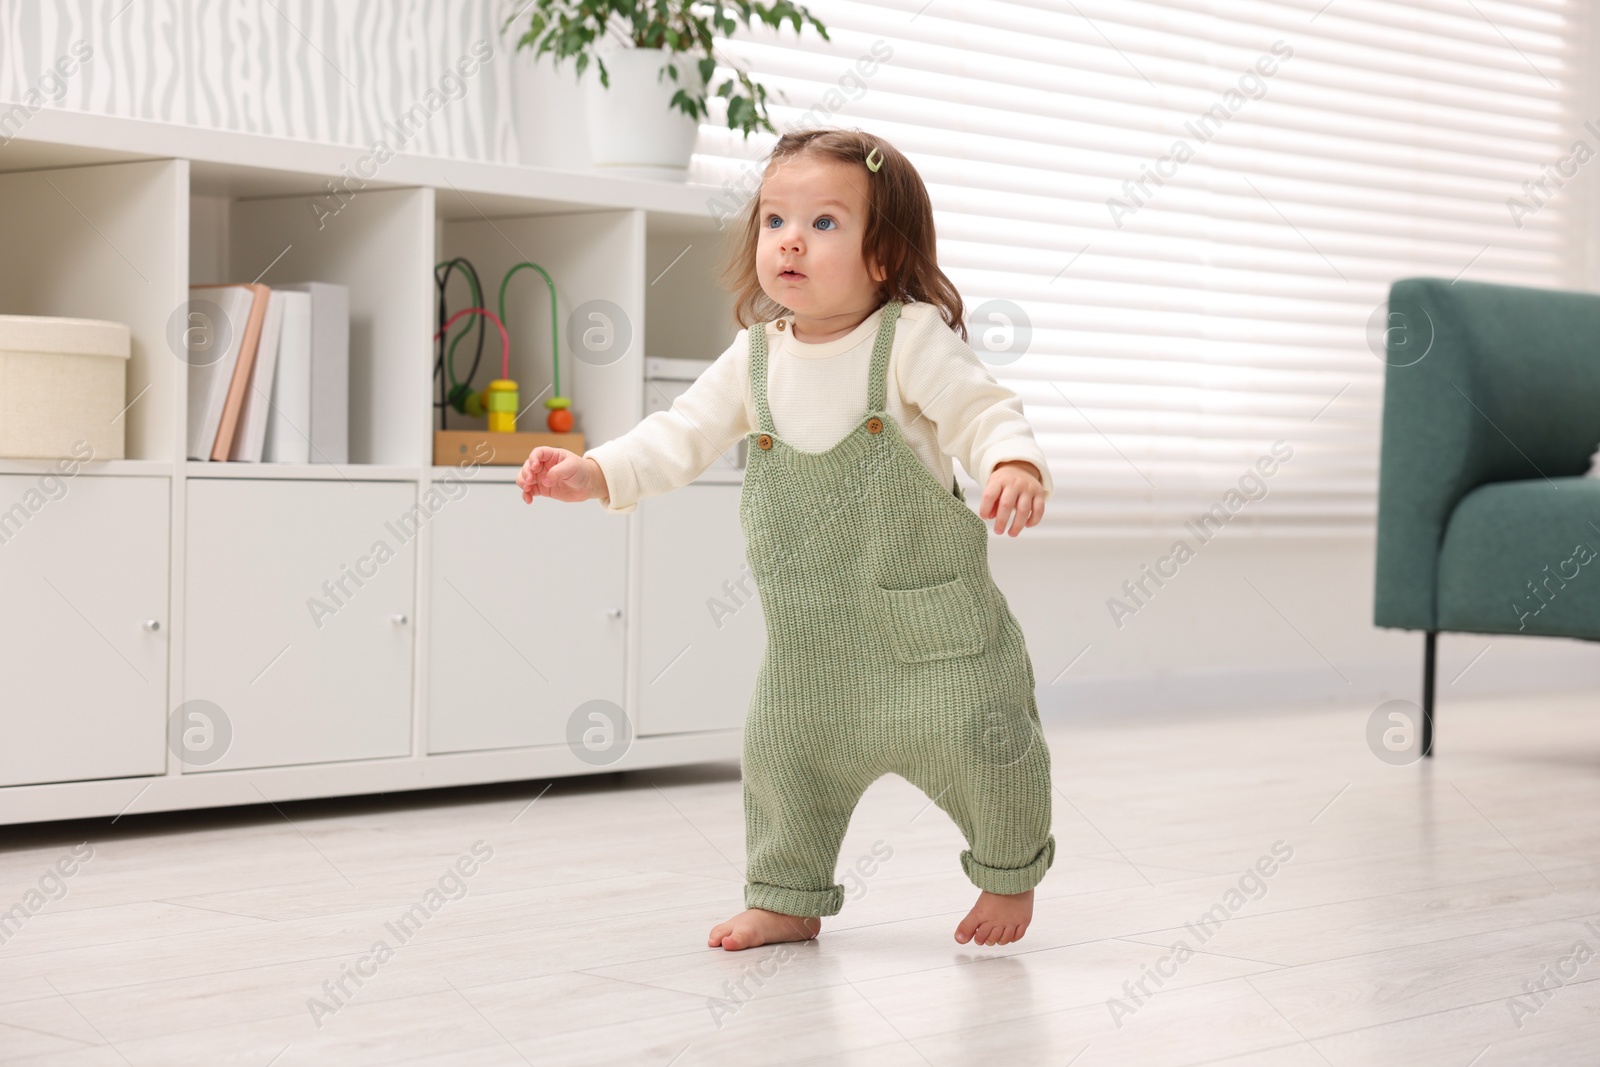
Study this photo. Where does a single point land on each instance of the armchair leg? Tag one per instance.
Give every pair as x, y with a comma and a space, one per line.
1428, 665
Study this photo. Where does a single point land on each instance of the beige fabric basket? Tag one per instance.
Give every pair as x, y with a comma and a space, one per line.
62, 381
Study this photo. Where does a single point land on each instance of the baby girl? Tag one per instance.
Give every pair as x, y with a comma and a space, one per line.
889, 647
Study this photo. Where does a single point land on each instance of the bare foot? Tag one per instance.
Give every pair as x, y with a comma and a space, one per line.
757, 926
997, 919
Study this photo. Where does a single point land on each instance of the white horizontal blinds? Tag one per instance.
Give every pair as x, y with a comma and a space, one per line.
1180, 328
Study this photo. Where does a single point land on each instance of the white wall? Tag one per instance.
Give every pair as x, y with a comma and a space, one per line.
1207, 638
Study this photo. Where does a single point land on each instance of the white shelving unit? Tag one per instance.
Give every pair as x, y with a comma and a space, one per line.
459, 631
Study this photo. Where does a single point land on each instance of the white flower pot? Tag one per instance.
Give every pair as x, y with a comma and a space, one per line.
633, 129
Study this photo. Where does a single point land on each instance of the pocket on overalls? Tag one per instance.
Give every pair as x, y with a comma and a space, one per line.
934, 621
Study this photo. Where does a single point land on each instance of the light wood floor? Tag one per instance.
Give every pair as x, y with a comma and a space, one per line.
1418, 902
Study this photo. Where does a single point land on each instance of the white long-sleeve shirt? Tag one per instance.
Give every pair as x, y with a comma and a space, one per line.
940, 394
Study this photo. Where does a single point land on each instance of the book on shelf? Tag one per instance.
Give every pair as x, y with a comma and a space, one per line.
221, 343
278, 390
328, 424
252, 429
289, 415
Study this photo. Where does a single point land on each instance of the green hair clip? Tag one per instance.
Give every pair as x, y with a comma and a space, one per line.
871, 165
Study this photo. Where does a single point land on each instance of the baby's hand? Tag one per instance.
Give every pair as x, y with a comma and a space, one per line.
561, 475
1015, 494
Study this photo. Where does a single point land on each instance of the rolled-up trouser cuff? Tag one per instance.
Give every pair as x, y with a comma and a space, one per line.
1007, 880
794, 901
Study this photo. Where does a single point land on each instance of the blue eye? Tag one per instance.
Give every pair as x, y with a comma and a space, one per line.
771, 219
831, 224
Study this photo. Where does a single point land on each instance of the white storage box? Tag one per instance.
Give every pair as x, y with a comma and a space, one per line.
62, 381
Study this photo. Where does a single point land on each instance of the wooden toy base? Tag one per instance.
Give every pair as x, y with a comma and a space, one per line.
451, 447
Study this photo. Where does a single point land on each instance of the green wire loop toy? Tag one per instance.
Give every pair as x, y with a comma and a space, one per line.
560, 418
498, 401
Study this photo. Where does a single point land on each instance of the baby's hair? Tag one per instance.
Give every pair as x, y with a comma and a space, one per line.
899, 232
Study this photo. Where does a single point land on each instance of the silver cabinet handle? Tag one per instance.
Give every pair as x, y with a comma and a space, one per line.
152, 625
398, 618
615, 613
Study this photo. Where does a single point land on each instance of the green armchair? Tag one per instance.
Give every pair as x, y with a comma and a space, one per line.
1491, 411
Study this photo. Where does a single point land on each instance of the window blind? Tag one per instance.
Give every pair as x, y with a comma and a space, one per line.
1177, 221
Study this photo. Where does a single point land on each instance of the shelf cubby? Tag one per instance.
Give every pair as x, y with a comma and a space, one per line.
378, 244
106, 242
688, 315
591, 256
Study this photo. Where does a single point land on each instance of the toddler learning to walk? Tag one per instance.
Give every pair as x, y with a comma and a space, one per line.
889, 647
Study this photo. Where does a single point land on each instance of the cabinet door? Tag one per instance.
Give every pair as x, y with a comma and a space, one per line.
83, 627
701, 633
526, 618
299, 620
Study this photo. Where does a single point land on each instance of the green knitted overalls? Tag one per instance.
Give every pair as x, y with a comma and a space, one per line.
889, 650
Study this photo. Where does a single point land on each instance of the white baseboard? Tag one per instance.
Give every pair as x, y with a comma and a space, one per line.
1470, 665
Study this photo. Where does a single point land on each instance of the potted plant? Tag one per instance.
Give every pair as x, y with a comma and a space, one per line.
645, 111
